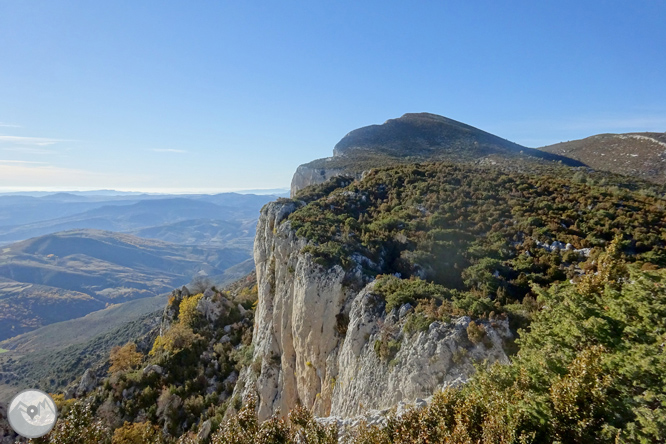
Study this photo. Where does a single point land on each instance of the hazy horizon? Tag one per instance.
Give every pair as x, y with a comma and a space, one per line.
4, 191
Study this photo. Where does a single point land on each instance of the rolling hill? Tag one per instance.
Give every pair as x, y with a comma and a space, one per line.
66, 275
54, 355
235, 233
639, 155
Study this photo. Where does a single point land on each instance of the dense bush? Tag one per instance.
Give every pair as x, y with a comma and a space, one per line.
478, 233
592, 369
162, 405
244, 428
124, 358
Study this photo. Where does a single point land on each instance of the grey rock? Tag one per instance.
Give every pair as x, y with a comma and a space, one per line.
212, 309
225, 339
232, 378
70, 392
154, 368
204, 431
88, 381
406, 308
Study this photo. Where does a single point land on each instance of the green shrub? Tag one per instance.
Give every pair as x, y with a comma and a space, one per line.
386, 349
417, 322
398, 292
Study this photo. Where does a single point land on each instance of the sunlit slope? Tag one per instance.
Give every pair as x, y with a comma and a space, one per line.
639, 155
66, 275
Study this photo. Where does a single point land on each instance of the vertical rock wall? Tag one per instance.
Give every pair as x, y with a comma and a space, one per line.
306, 355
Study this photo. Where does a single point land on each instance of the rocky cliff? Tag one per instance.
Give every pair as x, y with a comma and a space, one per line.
325, 341
311, 174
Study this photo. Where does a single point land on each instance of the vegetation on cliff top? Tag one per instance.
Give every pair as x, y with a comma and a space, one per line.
482, 236
592, 369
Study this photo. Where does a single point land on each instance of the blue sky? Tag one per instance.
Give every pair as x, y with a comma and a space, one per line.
211, 96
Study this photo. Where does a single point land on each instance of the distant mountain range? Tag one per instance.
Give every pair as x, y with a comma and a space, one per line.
23, 217
116, 193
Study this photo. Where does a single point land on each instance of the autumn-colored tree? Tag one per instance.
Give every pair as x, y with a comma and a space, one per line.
137, 433
188, 310
124, 358
177, 338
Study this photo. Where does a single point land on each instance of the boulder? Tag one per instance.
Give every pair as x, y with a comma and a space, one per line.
406, 308
204, 431
154, 368
87, 384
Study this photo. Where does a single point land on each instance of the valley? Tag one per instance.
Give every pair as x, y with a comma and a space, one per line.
156, 242
69, 274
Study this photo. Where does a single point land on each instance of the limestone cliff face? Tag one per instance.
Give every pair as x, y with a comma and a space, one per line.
310, 174
427, 361
317, 331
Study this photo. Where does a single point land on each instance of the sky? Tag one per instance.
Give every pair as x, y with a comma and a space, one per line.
211, 96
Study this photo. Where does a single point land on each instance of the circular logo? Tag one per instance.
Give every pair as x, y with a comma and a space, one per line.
32, 413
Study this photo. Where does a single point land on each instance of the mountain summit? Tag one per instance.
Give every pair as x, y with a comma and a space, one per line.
423, 134
414, 137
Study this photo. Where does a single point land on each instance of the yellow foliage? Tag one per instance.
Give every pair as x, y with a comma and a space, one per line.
137, 433
124, 358
177, 338
61, 403
609, 271
188, 310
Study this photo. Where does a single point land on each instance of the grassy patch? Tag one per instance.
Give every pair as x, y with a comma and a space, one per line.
2, 350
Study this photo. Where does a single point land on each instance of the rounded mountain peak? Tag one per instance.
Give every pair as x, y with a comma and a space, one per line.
417, 134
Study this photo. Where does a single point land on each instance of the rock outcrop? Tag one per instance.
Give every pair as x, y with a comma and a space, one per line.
308, 174
319, 332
